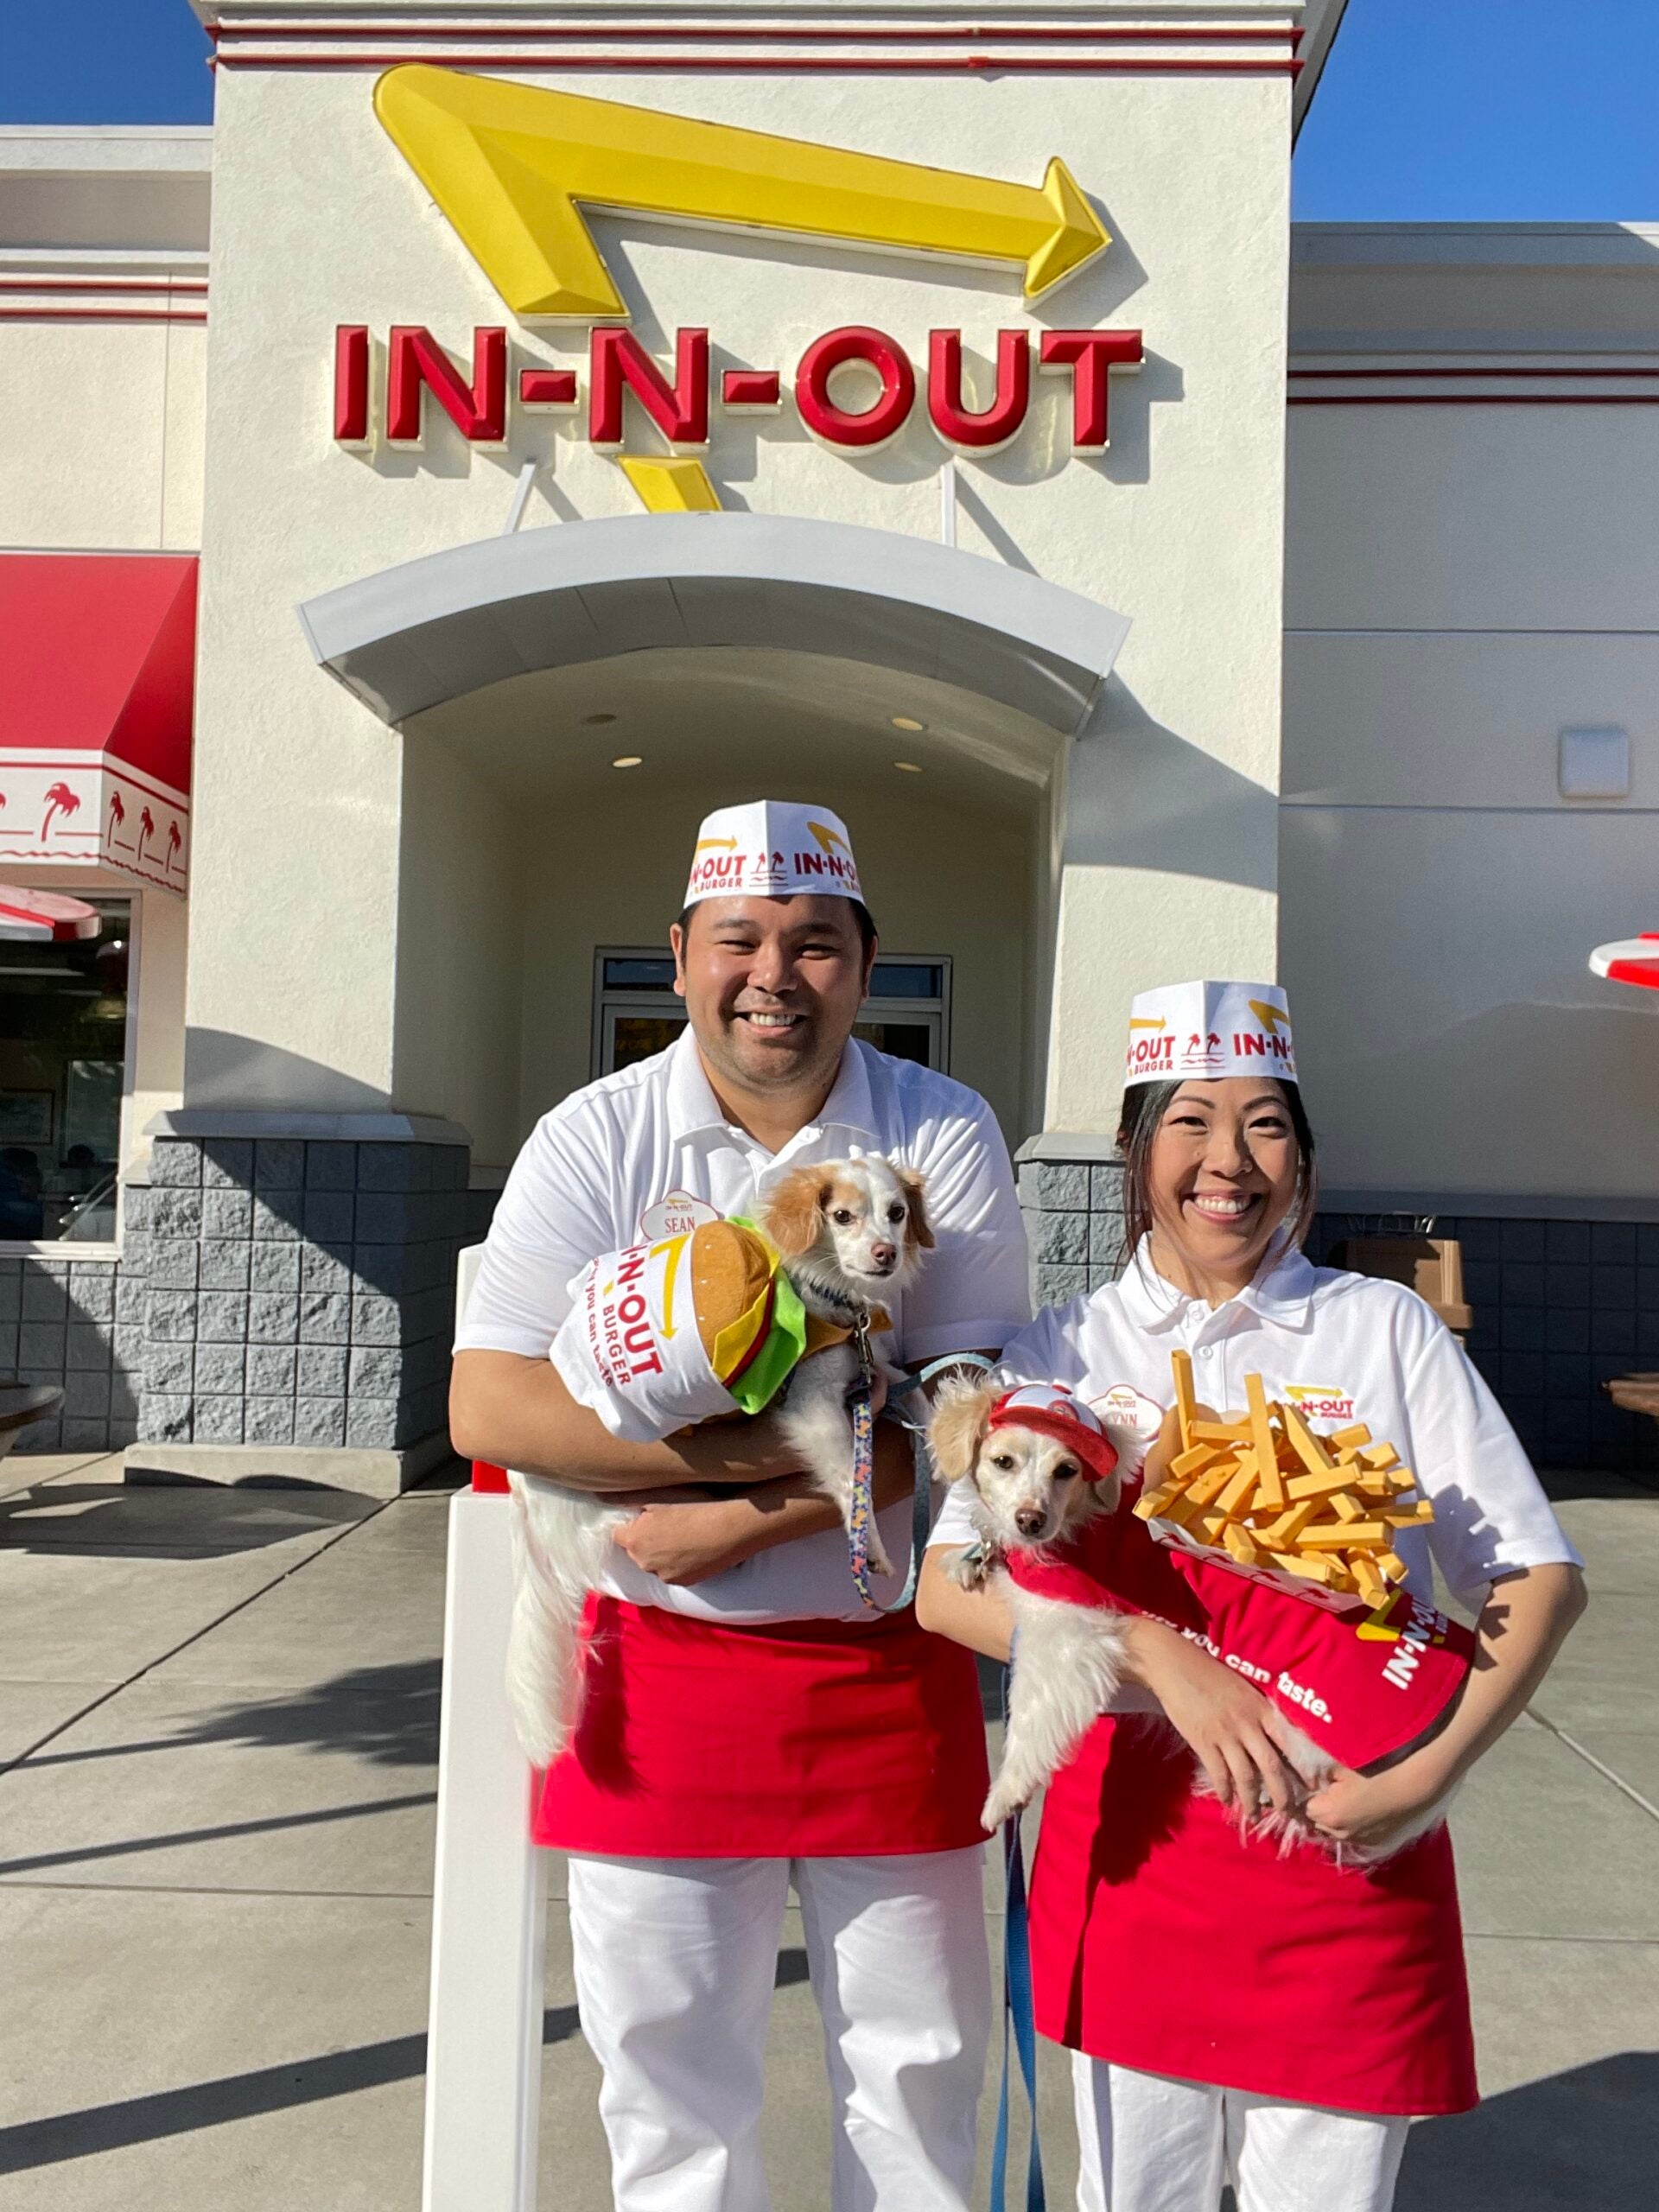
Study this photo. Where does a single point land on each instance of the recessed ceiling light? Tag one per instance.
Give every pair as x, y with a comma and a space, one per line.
907, 721
910, 767
628, 761
596, 721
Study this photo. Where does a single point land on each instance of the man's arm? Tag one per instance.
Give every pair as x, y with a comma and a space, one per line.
516, 1412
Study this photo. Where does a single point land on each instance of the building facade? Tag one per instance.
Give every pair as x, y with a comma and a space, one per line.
928, 411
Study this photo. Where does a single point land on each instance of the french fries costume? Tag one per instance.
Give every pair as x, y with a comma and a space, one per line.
1163, 1944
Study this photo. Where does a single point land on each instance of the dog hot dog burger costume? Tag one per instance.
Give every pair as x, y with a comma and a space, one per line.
759, 1727
1192, 1971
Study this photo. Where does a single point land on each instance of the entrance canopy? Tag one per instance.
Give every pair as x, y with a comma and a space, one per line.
98, 650
417, 636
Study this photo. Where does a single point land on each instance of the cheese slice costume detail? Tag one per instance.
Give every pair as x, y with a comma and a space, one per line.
758, 1727
1163, 1946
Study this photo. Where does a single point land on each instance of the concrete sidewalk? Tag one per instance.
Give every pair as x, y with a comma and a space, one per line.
218, 1722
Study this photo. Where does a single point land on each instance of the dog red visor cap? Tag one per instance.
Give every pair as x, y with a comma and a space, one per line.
1052, 1411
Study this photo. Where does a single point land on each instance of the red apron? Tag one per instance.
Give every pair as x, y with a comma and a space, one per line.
1162, 1941
802, 1740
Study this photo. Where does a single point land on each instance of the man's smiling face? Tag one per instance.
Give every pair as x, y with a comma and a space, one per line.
773, 988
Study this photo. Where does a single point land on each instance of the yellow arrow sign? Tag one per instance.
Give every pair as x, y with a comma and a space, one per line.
512, 165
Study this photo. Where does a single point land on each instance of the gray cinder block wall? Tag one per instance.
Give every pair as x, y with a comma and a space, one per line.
278, 1296
1560, 1306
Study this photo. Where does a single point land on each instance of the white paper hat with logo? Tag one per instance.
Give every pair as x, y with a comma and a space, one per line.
1185, 1030
772, 849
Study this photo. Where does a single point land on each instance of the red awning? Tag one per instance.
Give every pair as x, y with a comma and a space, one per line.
98, 650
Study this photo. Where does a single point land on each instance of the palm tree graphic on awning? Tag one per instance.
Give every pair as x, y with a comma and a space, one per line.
60, 799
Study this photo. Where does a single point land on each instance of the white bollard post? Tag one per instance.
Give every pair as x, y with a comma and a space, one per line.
489, 1892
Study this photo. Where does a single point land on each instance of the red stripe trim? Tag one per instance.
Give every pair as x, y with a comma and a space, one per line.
95, 315
1387, 376
735, 34
780, 65
165, 285
1473, 399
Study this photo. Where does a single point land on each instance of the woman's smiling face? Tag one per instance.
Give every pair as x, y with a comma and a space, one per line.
1222, 1174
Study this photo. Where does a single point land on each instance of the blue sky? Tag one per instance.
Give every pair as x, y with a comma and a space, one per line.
1473, 110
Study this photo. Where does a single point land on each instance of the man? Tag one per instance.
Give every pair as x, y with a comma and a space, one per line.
748, 1723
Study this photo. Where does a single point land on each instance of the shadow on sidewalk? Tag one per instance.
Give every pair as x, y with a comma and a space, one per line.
172, 1520
387, 1715
1588, 2139
267, 2089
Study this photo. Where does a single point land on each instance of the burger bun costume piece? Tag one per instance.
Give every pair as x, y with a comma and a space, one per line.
1163, 1943
762, 1728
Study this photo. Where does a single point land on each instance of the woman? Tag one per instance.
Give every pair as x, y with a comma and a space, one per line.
1235, 2016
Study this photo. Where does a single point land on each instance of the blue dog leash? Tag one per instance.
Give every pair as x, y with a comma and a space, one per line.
1019, 2014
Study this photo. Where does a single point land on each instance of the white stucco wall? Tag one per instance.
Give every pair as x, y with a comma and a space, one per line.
1465, 582
318, 221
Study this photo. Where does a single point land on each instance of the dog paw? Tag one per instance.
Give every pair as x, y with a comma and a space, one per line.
1002, 1805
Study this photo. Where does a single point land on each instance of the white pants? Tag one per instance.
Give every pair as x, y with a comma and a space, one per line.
1151, 2144
675, 1960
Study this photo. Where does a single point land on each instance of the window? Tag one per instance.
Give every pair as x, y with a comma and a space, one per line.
63, 1057
637, 1014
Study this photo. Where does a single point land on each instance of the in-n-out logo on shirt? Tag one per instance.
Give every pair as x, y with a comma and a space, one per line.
1319, 1401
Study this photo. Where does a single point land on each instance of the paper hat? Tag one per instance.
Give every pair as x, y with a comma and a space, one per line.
662, 1335
773, 849
1187, 1030
1050, 1409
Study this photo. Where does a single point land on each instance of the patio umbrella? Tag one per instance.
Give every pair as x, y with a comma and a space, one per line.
1633, 960
44, 917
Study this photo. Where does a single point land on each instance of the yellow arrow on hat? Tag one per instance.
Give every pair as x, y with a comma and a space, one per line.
1269, 1016
512, 165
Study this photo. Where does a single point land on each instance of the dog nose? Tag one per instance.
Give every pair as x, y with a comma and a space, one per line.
1030, 1520
883, 1255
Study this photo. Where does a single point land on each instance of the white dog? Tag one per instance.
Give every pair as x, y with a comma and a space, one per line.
1042, 1465
848, 1232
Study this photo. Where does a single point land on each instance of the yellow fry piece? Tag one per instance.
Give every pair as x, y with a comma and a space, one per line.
1311, 1570
1309, 1450
1372, 1485
1180, 1509
1221, 1432
1341, 1578
1239, 1544
1391, 1564
1349, 1457
1372, 1585
1186, 1465
1401, 1479
1320, 1485
1261, 1431
1207, 1526
1208, 1486
1347, 1509
1285, 1531
1181, 1365
1155, 1501
1407, 1516
1349, 1439
1380, 1458
1343, 1535
1270, 1492
1235, 1498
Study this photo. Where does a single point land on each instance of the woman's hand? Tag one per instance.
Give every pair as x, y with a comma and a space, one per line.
1370, 1809
1228, 1725
683, 1543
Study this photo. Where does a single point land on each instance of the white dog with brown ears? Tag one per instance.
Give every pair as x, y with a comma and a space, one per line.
1041, 1464
848, 1232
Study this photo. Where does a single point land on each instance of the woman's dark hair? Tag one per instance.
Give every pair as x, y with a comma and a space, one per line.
1145, 1105
862, 915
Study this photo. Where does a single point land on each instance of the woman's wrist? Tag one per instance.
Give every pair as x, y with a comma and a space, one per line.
1150, 1649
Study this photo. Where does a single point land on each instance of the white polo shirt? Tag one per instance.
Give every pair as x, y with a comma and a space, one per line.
1345, 1348
652, 1138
